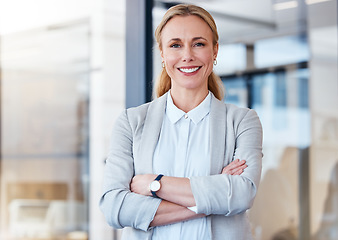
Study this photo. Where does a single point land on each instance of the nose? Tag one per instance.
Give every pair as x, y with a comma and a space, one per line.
187, 55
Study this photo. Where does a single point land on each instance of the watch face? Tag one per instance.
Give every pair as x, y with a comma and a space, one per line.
155, 186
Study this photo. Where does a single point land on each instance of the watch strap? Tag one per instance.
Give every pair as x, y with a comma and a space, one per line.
158, 178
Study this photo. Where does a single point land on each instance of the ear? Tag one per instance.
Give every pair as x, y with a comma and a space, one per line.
216, 50
161, 53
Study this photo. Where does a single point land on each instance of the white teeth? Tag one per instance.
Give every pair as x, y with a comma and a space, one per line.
189, 70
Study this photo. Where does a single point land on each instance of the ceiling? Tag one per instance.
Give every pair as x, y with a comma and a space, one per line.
247, 21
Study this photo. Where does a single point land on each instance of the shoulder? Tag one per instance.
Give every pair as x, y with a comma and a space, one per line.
243, 118
136, 115
233, 113
236, 111
137, 112
231, 110
240, 115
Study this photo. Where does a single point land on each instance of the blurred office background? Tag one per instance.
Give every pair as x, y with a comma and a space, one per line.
69, 67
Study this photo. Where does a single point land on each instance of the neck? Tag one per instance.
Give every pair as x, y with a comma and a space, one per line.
186, 100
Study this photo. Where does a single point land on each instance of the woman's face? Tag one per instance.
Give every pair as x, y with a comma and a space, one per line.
188, 52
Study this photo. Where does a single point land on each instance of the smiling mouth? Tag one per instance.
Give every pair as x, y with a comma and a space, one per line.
189, 70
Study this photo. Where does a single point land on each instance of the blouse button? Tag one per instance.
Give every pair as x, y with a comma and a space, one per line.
186, 116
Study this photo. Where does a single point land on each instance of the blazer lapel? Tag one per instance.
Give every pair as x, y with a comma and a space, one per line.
152, 129
151, 132
217, 135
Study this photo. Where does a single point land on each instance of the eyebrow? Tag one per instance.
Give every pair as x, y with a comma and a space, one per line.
194, 39
198, 38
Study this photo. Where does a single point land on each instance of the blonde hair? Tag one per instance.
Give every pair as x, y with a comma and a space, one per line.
215, 84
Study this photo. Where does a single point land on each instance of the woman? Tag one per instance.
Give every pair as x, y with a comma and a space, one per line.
173, 171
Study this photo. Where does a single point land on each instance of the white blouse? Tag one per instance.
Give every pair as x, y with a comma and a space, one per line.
183, 150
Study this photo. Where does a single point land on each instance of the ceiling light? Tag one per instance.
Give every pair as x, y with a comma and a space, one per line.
285, 5
309, 2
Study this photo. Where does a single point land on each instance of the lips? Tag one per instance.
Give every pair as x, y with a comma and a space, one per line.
188, 69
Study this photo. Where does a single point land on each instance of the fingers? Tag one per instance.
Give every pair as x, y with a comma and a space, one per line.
236, 164
239, 172
233, 165
236, 167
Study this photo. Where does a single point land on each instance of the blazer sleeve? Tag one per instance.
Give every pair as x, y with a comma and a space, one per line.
121, 207
226, 194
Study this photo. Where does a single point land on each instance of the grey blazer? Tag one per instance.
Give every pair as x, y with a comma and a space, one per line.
234, 133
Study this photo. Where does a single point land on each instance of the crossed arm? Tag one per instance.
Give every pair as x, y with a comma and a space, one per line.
127, 203
176, 194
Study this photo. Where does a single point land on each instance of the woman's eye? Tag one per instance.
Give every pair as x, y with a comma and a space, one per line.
199, 44
175, 45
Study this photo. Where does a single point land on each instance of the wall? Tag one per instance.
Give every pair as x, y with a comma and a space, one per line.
105, 71
107, 98
322, 32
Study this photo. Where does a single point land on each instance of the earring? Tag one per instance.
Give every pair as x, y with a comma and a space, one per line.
215, 62
163, 65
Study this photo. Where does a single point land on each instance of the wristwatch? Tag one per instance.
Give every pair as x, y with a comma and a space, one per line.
156, 185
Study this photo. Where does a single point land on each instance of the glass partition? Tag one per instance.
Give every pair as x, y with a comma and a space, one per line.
44, 133
281, 101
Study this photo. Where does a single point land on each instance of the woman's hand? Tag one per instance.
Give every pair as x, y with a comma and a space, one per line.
236, 167
173, 189
140, 184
